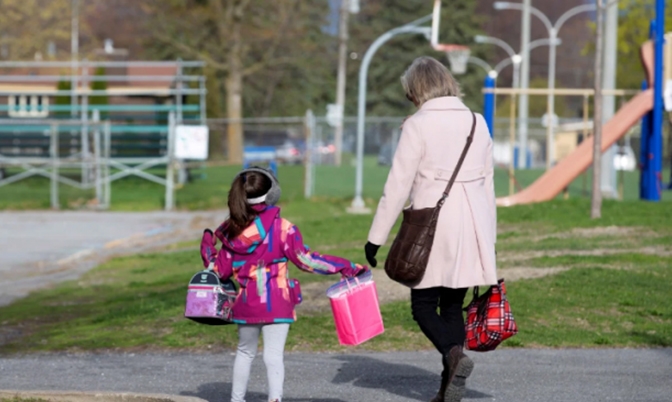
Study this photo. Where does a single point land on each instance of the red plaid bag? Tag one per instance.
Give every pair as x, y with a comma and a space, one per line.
489, 319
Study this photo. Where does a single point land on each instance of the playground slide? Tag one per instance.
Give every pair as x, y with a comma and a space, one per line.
556, 179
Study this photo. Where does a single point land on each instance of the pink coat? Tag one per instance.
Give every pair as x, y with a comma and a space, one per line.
258, 259
463, 253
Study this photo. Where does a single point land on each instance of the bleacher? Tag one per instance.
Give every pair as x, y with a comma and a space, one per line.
137, 105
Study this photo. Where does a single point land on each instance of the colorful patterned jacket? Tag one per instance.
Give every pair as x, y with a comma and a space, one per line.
258, 261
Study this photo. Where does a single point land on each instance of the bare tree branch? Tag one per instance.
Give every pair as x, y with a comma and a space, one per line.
265, 63
272, 48
190, 50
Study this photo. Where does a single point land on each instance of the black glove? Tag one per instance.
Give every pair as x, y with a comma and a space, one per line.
370, 251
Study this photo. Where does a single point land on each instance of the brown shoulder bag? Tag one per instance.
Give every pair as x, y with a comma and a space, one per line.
408, 256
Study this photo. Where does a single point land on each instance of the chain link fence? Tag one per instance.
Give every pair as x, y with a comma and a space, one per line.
309, 143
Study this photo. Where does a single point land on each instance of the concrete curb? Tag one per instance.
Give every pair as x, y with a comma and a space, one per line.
76, 396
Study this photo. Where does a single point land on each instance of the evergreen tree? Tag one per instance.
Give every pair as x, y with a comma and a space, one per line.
99, 86
385, 97
62, 100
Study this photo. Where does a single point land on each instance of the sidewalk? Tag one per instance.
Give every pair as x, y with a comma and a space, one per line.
39, 248
509, 375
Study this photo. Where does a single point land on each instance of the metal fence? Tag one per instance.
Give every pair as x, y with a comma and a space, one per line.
310, 141
54, 153
313, 141
137, 99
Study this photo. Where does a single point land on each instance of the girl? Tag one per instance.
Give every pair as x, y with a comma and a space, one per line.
257, 245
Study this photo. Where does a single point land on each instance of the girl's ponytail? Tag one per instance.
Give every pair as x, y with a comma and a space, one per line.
241, 213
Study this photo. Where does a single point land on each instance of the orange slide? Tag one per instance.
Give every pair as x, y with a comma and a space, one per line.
555, 180
561, 175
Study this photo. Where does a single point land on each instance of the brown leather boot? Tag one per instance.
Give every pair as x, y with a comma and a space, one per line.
442, 389
459, 368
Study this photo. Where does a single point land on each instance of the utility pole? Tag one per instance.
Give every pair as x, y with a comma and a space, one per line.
524, 84
74, 54
74, 51
340, 83
609, 187
596, 200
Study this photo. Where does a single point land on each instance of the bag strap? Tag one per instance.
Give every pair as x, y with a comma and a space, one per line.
459, 163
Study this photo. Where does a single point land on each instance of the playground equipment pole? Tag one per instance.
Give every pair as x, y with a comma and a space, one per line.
358, 205
489, 101
652, 173
644, 146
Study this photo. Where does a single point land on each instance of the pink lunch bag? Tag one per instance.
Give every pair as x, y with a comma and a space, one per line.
210, 300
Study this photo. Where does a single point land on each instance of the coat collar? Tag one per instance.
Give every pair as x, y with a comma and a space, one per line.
444, 103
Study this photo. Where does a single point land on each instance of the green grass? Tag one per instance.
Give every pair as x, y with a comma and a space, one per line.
209, 189
613, 290
597, 306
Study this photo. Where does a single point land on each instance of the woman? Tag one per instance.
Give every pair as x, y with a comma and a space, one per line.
463, 252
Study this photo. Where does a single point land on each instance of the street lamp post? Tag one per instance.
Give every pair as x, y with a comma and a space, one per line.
517, 58
553, 30
513, 56
481, 63
358, 205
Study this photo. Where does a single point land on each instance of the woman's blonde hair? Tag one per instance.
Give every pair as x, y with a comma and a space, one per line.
427, 79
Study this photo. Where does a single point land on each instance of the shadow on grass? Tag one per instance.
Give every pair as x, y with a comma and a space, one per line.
652, 339
399, 379
221, 391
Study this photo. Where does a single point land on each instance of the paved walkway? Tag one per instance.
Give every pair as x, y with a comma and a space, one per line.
515, 375
39, 248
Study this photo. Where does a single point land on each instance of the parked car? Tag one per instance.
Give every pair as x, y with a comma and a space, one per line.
290, 152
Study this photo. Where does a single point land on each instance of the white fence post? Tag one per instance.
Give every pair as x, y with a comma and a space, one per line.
107, 146
170, 168
54, 166
96, 157
310, 132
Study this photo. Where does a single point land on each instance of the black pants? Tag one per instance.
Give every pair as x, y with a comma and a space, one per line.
444, 329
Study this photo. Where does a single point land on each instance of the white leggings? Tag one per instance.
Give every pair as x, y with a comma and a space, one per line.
275, 336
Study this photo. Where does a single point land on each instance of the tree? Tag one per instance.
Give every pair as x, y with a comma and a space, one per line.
63, 100
27, 27
99, 86
633, 29
241, 39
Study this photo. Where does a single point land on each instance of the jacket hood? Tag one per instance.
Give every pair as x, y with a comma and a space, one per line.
253, 235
